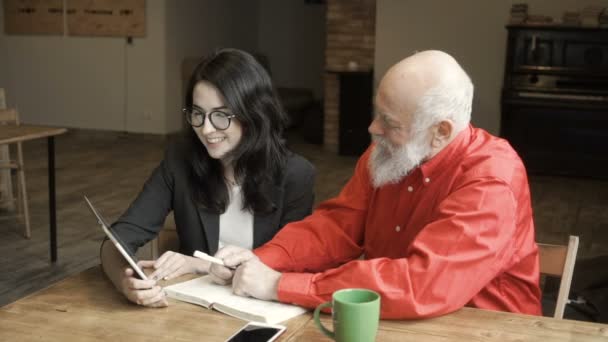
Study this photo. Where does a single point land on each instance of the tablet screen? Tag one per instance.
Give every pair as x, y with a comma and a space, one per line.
121, 246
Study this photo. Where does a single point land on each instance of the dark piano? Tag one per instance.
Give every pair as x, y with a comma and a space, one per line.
555, 99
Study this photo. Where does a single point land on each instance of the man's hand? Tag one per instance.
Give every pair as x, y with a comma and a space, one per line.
254, 279
142, 292
232, 256
172, 265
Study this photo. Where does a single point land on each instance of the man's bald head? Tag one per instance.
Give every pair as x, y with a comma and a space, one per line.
428, 81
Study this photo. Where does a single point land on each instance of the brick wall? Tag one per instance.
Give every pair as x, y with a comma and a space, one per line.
350, 38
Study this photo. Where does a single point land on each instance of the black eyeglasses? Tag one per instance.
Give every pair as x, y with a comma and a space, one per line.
219, 120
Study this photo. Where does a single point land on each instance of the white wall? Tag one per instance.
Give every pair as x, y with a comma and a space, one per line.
292, 35
145, 74
473, 31
3, 56
88, 82
195, 28
104, 83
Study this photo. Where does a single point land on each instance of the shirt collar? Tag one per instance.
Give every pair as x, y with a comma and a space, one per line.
431, 168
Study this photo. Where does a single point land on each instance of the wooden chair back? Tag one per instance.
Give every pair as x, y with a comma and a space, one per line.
2, 99
9, 117
558, 261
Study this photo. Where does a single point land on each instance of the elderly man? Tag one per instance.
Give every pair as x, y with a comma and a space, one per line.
437, 215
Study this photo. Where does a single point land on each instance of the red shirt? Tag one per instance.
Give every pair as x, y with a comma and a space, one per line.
456, 231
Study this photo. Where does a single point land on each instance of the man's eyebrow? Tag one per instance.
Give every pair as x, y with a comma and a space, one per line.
385, 116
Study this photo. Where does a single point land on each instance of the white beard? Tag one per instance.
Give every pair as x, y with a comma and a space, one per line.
388, 165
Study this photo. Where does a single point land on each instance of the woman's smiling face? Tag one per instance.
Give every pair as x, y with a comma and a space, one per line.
206, 98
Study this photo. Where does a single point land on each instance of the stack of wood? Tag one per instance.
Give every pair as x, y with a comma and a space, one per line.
519, 13
538, 19
571, 18
603, 20
590, 16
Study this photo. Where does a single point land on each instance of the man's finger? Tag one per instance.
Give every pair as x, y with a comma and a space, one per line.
219, 281
240, 292
238, 285
221, 272
236, 259
227, 250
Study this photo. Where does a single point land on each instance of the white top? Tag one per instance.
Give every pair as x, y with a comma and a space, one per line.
236, 224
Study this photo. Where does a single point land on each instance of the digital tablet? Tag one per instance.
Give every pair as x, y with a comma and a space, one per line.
120, 245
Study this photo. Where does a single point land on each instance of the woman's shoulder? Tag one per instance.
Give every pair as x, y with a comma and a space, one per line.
298, 166
176, 154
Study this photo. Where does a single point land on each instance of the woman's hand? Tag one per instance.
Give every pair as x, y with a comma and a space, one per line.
172, 265
142, 292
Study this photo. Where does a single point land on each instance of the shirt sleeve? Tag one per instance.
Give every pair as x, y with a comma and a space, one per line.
449, 262
332, 235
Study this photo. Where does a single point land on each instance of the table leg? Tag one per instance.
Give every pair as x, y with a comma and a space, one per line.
52, 208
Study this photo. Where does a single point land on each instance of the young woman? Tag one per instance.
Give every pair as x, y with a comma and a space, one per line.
232, 181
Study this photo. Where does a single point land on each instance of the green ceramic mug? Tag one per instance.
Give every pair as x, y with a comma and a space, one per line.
355, 315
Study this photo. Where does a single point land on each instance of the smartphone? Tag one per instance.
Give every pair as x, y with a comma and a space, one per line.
257, 332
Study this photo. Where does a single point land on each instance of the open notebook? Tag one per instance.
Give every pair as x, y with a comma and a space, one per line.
202, 291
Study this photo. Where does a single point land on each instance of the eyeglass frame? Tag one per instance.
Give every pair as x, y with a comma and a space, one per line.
189, 111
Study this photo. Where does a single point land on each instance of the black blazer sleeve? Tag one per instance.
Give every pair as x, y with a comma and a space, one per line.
146, 215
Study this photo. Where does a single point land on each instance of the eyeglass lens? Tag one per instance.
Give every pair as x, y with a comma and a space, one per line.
219, 120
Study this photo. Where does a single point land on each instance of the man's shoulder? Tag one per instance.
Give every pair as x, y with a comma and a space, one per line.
491, 156
482, 142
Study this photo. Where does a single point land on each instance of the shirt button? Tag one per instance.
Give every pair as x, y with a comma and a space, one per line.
410, 189
427, 180
397, 229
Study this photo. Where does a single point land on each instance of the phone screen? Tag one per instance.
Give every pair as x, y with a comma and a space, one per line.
256, 333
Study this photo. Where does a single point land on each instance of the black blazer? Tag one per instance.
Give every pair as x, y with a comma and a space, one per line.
168, 189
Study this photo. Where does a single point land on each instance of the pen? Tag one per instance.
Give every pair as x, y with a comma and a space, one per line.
205, 256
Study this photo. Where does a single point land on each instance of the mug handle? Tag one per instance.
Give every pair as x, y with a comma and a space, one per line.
318, 323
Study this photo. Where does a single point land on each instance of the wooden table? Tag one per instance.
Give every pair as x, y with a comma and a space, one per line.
14, 134
472, 325
86, 307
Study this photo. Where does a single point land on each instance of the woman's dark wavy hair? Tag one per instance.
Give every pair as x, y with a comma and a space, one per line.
260, 156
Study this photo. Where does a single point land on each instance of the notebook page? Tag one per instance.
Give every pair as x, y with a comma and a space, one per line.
198, 291
204, 292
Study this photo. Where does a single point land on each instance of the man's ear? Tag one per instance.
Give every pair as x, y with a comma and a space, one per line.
442, 133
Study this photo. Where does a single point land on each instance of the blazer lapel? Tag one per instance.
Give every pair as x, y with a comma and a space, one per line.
211, 226
263, 225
